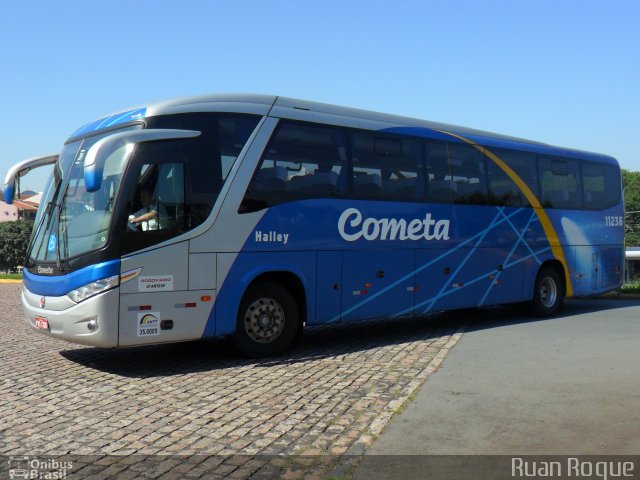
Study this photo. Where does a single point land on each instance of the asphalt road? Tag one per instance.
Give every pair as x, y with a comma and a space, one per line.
515, 386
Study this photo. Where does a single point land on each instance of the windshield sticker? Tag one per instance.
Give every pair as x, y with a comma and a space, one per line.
148, 324
53, 243
155, 283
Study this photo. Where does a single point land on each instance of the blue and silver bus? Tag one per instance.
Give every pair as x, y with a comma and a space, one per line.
250, 217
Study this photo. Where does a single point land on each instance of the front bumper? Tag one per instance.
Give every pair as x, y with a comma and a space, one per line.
69, 321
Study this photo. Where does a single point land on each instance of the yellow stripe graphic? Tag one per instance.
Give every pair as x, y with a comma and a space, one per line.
549, 231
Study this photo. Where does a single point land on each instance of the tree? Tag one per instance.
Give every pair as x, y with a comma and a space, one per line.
14, 238
631, 183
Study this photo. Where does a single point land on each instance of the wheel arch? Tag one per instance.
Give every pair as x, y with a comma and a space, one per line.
290, 280
558, 267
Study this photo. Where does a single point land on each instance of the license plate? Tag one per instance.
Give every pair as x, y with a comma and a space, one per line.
42, 323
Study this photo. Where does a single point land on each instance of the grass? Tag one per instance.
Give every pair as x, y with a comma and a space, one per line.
632, 287
10, 276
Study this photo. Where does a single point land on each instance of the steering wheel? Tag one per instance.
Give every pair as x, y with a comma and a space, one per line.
132, 227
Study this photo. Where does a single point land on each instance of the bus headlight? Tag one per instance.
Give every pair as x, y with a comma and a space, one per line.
89, 290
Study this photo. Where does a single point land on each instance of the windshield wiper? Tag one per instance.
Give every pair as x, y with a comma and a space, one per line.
45, 215
58, 240
34, 237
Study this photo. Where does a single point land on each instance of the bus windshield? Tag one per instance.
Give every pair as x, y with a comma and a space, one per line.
71, 220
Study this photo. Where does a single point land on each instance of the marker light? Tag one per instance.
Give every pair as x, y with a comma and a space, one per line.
89, 290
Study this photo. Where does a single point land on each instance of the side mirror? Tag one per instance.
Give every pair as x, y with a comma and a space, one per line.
97, 155
22, 168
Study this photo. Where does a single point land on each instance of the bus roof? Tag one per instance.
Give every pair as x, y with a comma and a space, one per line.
305, 110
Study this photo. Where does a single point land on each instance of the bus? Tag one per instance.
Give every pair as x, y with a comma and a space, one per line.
251, 217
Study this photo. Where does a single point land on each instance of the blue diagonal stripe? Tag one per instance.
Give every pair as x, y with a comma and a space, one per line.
422, 267
521, 235
520, 239
484, 276
479, 278
466, 259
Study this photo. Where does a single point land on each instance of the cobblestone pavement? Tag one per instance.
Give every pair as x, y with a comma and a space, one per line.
329, 396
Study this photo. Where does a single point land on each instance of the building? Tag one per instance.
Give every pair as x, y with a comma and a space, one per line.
8, 213
27, 206
24, 208
632, 264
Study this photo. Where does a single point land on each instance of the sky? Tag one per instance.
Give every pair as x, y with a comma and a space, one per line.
562, 72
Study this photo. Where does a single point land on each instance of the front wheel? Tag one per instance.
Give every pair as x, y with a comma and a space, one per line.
267, 320
548, 292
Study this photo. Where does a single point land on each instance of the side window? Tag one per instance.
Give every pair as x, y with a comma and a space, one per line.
468, 173
156, 206
301, 161
207, 159
439, 183
524, 164
560, 183
386, 167
174, 184
159, 204
210, 160
233, 132
502, 189
601, 185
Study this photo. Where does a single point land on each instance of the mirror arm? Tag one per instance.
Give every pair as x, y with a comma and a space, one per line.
21, 169
97, 155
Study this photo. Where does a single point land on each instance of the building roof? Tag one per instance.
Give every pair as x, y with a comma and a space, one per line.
32, 199
23, 205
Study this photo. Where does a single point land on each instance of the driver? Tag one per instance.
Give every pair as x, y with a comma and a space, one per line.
147, 217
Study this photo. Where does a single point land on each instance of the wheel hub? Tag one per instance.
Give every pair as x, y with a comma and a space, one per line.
264, 320
548, 292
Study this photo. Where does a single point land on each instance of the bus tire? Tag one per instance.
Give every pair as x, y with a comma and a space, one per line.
548, 292
267, 320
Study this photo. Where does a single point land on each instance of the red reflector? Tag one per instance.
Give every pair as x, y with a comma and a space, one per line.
145, 307
190, 305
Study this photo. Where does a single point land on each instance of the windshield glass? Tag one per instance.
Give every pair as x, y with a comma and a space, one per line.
71, 220
171, 188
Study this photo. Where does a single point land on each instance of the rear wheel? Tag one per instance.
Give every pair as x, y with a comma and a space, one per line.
548, 292
267, 320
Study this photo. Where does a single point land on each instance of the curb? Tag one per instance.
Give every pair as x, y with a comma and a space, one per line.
620, 296
376, 427
8, 280
356, 451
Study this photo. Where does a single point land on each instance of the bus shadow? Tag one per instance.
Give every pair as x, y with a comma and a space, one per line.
317, 343
500, 316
